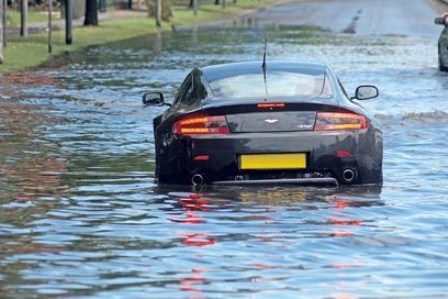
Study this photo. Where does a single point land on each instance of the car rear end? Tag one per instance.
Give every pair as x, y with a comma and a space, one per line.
289, 122
278, 141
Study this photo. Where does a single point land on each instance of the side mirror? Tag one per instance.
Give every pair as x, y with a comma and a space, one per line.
440, 21
365, 92
154, 98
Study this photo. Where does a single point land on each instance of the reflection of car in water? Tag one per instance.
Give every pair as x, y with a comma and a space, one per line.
284, 122
443, 45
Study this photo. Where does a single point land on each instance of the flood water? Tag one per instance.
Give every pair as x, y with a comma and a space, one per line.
81, 215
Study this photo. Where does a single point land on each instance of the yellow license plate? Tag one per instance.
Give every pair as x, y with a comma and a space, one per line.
273, 161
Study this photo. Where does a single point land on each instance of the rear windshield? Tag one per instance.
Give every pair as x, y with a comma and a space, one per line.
278, 83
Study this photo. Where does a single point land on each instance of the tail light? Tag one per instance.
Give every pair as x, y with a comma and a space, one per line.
337, 121
201, 125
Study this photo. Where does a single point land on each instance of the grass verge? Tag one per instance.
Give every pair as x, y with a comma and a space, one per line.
13, 17
31, 52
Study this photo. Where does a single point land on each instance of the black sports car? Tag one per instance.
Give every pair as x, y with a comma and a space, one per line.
275, 122
443, 44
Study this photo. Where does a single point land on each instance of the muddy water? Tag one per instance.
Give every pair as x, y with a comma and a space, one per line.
81, 216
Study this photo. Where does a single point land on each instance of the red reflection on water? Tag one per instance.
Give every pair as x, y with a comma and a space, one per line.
189, 219
191, 284
195, 202
340, 221
342, 204
197, 239
192, 204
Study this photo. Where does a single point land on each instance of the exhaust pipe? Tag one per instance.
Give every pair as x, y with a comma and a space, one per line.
349, 175
197, 179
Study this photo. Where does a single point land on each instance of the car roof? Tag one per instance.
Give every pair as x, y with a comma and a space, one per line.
218, 71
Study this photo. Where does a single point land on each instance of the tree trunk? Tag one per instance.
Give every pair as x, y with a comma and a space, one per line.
159, 13
195, 7
79, 9
68, 22
50, 24
5, 7
1, 30
91, 16
165, 12
24, 18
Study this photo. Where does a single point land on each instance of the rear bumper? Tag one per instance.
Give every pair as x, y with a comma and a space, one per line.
178, 162
301, 182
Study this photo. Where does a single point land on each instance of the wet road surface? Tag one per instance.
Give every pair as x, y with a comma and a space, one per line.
81, 215
372, 17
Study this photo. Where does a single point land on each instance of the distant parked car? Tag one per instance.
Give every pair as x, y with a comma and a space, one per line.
276, 122
443, 44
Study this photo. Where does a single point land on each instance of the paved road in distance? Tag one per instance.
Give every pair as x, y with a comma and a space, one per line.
363, 17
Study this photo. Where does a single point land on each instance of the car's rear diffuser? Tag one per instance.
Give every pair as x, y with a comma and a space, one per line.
308, 182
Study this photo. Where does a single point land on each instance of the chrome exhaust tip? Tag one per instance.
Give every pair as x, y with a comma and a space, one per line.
197, 179
349, 175
239, 178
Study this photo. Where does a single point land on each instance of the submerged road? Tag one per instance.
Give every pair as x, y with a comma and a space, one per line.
81, 215
363, 17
